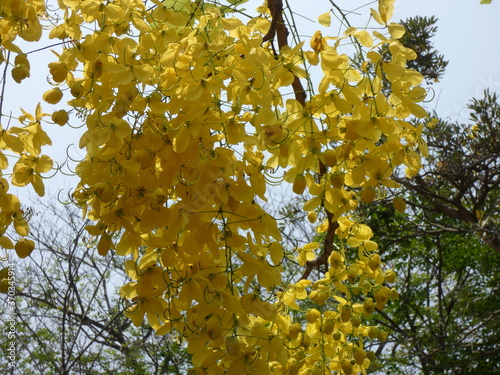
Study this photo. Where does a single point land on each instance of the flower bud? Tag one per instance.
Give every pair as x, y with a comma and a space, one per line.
53, 96
352, 275
381, 296
294, 330
312, 216
60, 117
345, 313
22, 60
59, 71
328, 326
19, 73
312, 315
368, 306
330, 157
76, 90
359, 355
299, 184
346, 367
373, 332
356, 321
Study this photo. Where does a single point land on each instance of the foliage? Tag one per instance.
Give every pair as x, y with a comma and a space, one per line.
192, 110
446, 319
445, 252
461, 179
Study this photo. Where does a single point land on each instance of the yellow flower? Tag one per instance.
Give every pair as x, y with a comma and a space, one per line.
318, 43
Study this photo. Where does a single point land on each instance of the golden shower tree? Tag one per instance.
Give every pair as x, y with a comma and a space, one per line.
192, 109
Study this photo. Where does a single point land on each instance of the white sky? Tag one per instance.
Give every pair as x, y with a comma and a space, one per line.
468, 36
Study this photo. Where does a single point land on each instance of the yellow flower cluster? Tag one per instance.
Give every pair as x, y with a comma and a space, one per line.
186, 125
20, 19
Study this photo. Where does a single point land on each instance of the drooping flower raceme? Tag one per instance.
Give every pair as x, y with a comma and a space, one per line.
187, 119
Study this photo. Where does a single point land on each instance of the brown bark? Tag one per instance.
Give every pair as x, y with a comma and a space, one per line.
278, 31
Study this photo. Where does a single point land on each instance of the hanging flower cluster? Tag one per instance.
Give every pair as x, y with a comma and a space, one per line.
20, 19
187, 122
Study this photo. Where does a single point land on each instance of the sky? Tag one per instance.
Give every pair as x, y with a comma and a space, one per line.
468, 36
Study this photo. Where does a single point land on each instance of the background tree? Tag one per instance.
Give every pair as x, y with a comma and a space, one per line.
461, 178
447, 317
70, 319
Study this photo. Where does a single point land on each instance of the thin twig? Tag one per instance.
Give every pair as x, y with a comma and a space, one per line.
4, 80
